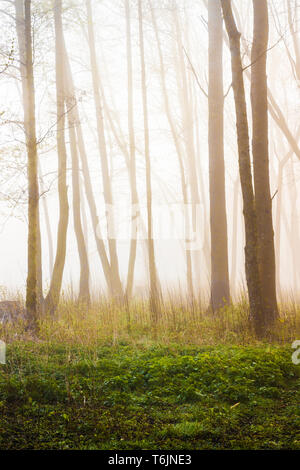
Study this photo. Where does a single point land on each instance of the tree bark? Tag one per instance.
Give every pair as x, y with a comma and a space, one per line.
260, 150
87, 181
220, 294
106, 181
71, 103
47, 223
251, 257
151, 253
84, 289
52, 299
32, 172
234, 234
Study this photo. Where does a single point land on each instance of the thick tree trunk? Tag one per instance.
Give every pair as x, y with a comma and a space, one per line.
151, 253
251, 258
220, 294
52, 299
106, 180
260, 149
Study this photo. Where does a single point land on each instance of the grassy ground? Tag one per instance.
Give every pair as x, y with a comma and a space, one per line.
137, 396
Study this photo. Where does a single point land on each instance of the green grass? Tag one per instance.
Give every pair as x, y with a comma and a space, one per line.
149, 397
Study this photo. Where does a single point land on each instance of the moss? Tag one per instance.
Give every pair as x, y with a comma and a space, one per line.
173, 397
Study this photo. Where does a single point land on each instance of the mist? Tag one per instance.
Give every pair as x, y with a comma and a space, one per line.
177, 85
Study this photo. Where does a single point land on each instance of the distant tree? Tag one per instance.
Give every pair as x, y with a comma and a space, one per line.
115, 283
151, 253
70, 90
71, 104
187, 114
177, 145
132, 157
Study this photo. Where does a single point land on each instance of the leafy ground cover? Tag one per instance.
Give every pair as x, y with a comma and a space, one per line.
154, 397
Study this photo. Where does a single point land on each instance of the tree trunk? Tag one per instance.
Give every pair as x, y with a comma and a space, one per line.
251, 258
84, 289
220, 294
151, 253
188, 135
52, 299
260, 149
179, 151
47, 223
106, 181
32, 172
234, 234
87, 180
132, 159
295, 239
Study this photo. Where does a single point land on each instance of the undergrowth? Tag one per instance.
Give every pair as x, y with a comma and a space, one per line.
149, 397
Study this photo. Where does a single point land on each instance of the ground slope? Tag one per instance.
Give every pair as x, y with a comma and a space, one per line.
175, 397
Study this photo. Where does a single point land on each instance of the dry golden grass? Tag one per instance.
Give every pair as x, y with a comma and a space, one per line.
180, 321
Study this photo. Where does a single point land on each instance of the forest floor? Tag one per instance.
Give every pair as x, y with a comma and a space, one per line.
62, 396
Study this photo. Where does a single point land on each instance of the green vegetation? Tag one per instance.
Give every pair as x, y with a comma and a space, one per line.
149, 397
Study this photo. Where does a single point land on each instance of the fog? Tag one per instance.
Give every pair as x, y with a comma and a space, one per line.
185, 56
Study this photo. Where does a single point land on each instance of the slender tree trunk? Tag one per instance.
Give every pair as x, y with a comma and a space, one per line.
151, 253
279, 208
234, 234
206, 238
84, 289
278, 225
188, 135
47, 223
52, 299
87, 181
260, 149
106, 181
32, 300
295, 38
85, 225
20, 29
178, 148
132, 162
295, 240
220, 294
251, 258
